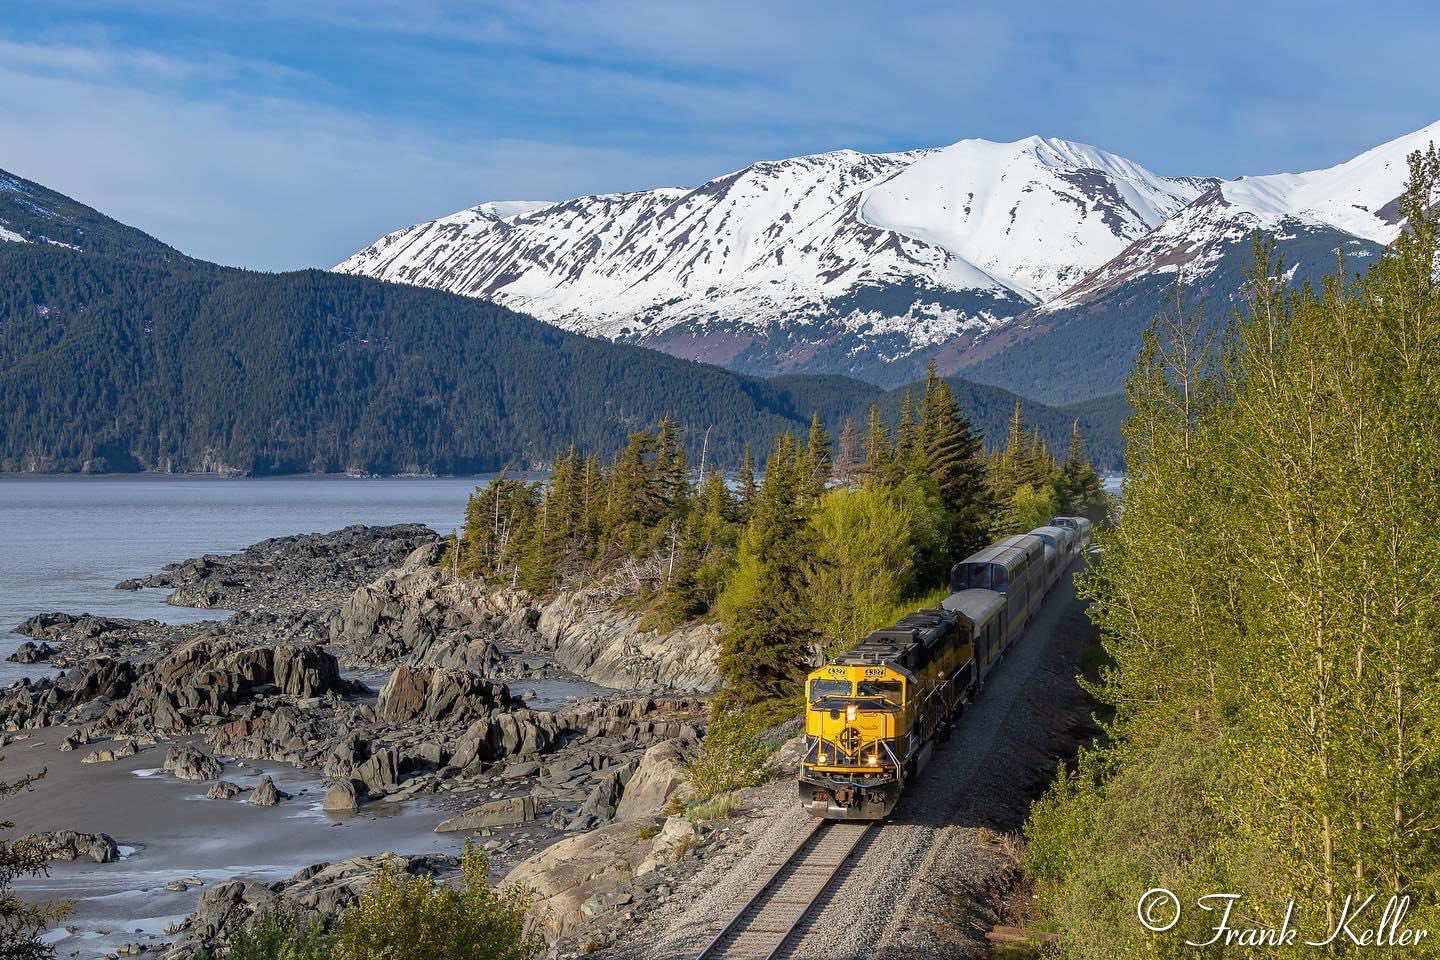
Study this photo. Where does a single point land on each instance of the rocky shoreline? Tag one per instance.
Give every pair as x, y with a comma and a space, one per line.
267, 685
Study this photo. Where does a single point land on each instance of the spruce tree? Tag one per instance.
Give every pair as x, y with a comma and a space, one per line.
671, 477
1079, 488
749, 492
769, 634
817, 462
907, 434
879, 455
954, 459
847, 461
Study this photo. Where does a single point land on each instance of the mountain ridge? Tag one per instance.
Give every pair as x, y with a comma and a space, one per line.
125, 355
871, 264
796, 263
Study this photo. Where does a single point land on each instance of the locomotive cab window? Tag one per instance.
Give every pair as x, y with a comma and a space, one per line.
820, 689
892, 690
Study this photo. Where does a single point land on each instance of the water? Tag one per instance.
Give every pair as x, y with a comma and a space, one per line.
66, 541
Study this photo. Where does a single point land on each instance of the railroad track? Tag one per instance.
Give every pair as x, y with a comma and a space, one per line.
762, 928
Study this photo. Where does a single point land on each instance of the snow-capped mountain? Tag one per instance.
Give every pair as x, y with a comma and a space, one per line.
839, 261
1080, 343
1006, 262
1359, 198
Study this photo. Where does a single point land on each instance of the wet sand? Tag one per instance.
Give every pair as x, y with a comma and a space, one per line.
167, 830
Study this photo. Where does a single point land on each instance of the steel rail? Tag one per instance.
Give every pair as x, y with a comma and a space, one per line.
763, 925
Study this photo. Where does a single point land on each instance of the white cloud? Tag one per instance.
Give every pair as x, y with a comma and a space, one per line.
267, 182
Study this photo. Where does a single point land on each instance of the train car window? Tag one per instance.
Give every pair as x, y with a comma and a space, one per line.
974, 576
999, 576
820, 689
891, 690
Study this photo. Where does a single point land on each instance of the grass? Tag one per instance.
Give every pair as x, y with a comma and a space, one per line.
719, 807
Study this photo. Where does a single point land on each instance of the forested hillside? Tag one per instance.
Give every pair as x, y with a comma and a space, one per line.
117, 353
1268, 604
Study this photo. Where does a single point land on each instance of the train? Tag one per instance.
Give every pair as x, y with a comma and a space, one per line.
874, 713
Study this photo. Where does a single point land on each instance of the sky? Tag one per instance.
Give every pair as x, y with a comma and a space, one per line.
278, 134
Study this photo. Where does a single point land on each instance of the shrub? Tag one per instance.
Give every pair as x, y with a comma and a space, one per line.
733, 755
415, 918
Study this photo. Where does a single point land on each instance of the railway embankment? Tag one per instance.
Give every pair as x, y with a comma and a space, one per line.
934, 879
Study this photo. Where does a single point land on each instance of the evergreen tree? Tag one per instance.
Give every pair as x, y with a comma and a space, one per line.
847, 463
636, 496
769, 632
1080, 491
672, 479
954, 463
879, 455
818, 465
907, 435
749, 492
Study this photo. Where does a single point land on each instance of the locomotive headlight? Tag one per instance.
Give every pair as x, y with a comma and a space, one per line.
873, 760
850, 711
820, 758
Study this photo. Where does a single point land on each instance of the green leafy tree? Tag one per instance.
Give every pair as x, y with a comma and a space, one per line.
1268, 601
864, 562
733, 753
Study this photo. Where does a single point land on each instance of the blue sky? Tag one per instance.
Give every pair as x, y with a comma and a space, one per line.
288, 134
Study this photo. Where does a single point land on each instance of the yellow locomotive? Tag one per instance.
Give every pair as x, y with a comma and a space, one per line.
873, 714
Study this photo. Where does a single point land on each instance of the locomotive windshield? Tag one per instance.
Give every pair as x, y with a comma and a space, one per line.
820, 689
891, 690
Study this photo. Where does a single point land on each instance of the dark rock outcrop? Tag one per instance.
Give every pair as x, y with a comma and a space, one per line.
427, 693
73, 845
186, 762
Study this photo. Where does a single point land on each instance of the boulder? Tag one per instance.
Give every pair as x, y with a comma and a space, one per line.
307, 672
589, 637
344, 796
29, 652
661, 775
187, 762
599, 805
223, 790
674, 838
585, 868
381, 771
508, 812
266, 794
72, 845
427, 693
